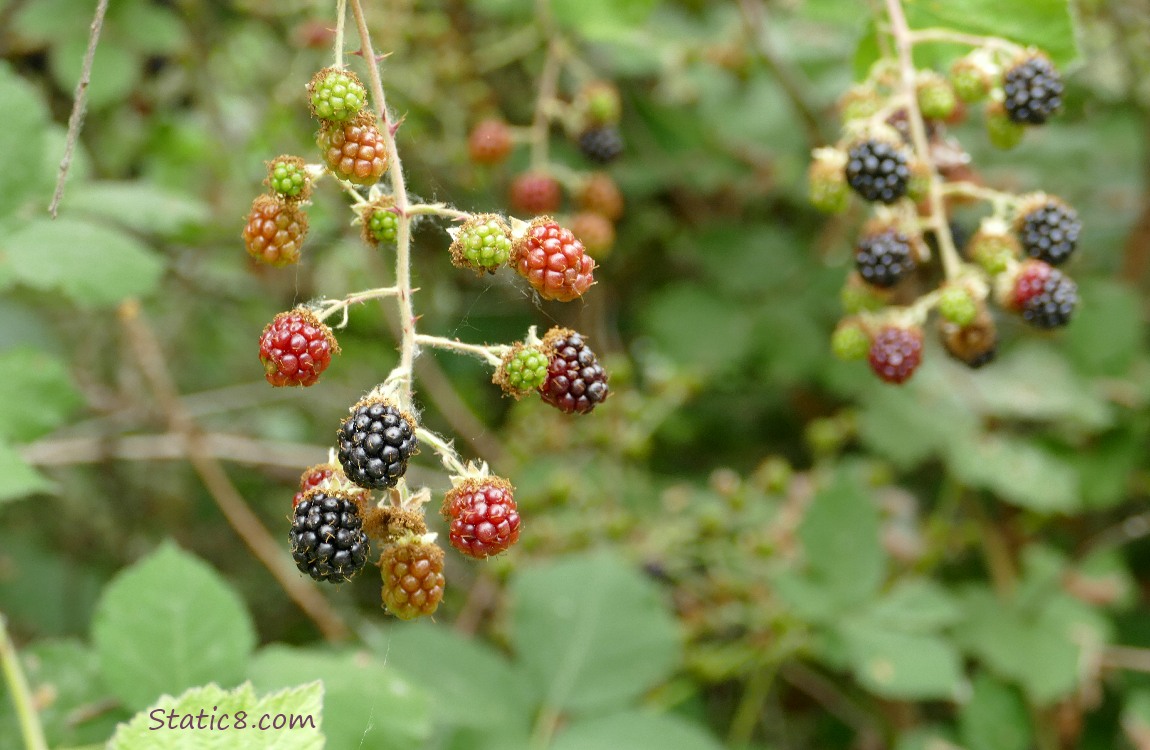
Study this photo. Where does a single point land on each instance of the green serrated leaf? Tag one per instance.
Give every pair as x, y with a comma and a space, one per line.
91, 264
143, 207
36, 394
167, 623
914, 605
900, 665
591, 632
1019, 471
21, 142
633, 730
683, 319
459, 673
210, 717
1046, 24
367, 703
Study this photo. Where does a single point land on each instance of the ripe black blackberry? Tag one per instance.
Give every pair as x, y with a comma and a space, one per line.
375, 442
878, 171
1048, 229
327, 539
602, 144
884, 257
576, 382
1045, 296
1033, 91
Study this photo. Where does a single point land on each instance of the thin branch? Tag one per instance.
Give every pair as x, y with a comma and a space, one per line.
79, 106
493, 355
548, 88
340, 23
21, 695
170, 446
228, 499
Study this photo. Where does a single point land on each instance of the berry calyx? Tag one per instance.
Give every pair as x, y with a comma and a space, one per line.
1047, 228
412, 572
974, 344
850, 341
296, 348
576, 382
327, 539
936, 98
288, 178
895, 353
312, 477
884, 256
336, 95
523, 370
1044, 296
388, 523
877, 170
1032, 90
553, 261
1001, 131
993, 246
595, 231
601, 144
601, 195
490, 142
828, 190
482, 244
957, 305
483, 517
535, 193
275, 231
355, 150
971, 78
375, 443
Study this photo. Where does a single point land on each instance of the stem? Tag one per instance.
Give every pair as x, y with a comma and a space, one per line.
340, 17
973, 40
21, 695
951, 264
548, 85
750, 706
399, 193
352, 299
493, 355
444, 449
1000, 200
438, 209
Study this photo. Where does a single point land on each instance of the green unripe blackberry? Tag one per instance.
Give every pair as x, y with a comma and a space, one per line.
993, 246
936, 98
383, 225
850, 341
1003, 132
828, 190
523, 370
482, 244
970, 79
859, 102
336, 94
288, 178
957, 305
858, 296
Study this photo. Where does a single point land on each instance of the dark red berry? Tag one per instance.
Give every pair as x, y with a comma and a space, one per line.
576, 382
895, 353
483, 517
1044, 296
313, 477
490, 142
296, 348
534, 193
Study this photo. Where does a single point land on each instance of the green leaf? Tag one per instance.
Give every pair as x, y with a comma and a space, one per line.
1107, 332
115, 70
167, 623
602, 20
902, 666
91, 264
143, 207
1019, 471
20, 479
36, 394
995, 717
210, 717
591, 632
1043, 23
21, 141
684, 319
461, 674
367, 703
840, 537
914, 605
633, 730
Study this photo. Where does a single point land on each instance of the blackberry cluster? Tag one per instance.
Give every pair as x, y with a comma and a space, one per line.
883, 258
1033, 91
375, 443
1045, 296
576, 382
878, 171
601, 145
327, 539
1049, 232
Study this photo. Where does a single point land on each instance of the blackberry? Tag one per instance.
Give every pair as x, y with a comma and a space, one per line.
576, 382
602, 144
523, 370
288, 178
975, 344
375, 442
884, 257
327, 539
490, 142
483, 517
1048, 229
895, 353
336, 94
878, 171
275, 231
412, 572
482, 244
355, 150
295, 348
535, 193
1033, 91
1045, 296
553, 261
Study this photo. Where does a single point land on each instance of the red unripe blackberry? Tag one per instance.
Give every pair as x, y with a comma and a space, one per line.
483, 517
601, 195
878, 171
595, 231
576, 382
1044, 296
884, 257
601, 144
327, 539
553, 261
275, 231
490, 142
1032, 90
375, 443
895, 353
313, 477
1047, 229
413, 582
296, 348
534, 193
354, 151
